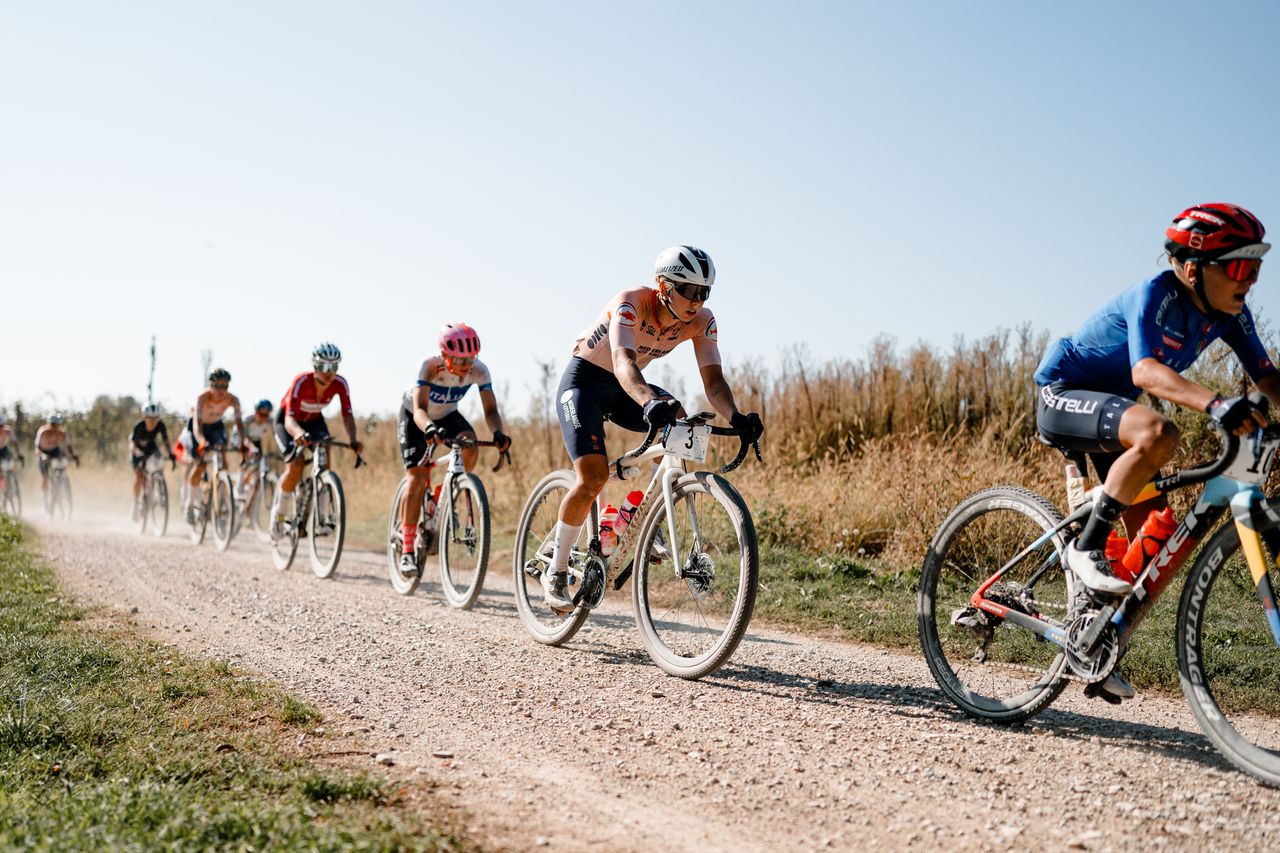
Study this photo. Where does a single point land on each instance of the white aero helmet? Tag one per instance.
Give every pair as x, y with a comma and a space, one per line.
151, 411
685, 264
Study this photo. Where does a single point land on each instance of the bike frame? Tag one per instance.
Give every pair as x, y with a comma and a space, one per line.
1252, 513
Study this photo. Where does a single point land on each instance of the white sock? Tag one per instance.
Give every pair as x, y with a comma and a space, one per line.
566, 535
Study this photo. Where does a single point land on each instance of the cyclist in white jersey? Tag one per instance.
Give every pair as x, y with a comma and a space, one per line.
431, 408
603, 381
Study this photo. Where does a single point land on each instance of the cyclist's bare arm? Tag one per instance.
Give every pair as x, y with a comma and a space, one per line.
349, 421
292, 427
1164, 382
235, 407
491, 417
421, 399
719, 394
629, 377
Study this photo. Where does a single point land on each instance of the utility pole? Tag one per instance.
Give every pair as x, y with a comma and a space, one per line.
152, 378
206, 358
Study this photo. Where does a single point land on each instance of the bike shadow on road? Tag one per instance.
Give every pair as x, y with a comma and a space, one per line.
927, 702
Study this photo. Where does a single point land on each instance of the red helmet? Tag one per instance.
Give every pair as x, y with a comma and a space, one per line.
458, 340
1214, 232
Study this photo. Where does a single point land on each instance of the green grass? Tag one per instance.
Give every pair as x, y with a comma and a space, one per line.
111, 742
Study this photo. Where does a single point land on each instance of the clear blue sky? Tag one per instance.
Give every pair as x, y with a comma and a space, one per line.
255, 177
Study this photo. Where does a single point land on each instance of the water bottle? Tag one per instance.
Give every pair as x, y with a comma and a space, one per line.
1117, 546
608, 535
628, 510
1155, 531
1075, 486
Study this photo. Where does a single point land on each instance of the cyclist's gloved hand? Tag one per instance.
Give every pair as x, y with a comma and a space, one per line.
357, 446
749, 426
501, 440
1234, 413
303, 440
661, 413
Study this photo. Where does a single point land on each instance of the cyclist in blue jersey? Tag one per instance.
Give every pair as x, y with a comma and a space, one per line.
1142, 341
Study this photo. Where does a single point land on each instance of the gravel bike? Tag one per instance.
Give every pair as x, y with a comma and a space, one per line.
218, 499
693, 548
57, 497
1004, 627
318, 502
11, 496
256, 490
460, 522
151, 509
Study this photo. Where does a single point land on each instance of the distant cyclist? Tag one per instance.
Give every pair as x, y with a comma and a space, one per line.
1142, 341
8, 440
299, 421
144, 442
259, 427
432, 408
211, 405
603, 381
52, 440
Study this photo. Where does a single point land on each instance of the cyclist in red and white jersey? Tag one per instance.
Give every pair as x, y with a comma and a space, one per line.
432, 407
603, 380
300, 420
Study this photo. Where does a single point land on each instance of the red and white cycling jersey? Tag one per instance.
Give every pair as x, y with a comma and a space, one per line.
634, 320
304, 404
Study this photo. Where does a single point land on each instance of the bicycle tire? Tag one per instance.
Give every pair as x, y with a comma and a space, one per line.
12, 495
1020, 653
201, 523
464, 540
674, 610
264, 497
158, 504
223, 511
544, 624
395, 544
328, 486
1239, 659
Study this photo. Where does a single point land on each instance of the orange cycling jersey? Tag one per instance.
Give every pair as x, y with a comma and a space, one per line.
305, 402
633, 320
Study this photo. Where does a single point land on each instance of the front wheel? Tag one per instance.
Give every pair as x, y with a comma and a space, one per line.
464, 540
223, 511
157, 504
989, 668
694, 595
328, 524
60, 500
1229, 656
535, 539
198, 513
12, 495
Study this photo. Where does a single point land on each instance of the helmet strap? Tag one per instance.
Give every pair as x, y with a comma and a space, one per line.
665, 298
1210, 312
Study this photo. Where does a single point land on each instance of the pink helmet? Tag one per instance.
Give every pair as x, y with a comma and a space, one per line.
458, 340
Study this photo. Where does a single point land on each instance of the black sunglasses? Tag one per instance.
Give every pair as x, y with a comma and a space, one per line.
692, 292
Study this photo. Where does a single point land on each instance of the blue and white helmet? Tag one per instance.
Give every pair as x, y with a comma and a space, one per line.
685, 264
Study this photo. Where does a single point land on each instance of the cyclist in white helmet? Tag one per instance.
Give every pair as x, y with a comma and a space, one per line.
144, 442
431, 408
603, 380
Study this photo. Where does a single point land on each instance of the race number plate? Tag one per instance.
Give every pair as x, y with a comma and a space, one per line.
688, 442
1251, 465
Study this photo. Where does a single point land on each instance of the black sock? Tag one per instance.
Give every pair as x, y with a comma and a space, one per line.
1106, 512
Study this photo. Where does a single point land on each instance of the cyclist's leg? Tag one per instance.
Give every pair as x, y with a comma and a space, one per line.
139, 475
413, 453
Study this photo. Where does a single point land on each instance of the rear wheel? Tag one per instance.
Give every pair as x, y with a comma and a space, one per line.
1229, 654
260, 507
328, 524
198, 515
693, 605
157, 498
464, 540
990, 668
12, 495
535, 539
223, 510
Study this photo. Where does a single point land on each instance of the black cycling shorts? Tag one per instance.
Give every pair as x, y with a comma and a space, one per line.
1083, 421
139, 462
44, 457
315, 429
214, 433
587, 397
413, 441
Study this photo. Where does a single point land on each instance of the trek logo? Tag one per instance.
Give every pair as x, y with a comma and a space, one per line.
1067, 404
627, 314
568, 410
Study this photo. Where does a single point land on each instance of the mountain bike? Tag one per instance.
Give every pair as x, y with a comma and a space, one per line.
217, 498
57, 497
152, 507
693, 550
318, 502
11, 496
463, 527
256, 490
1004, 627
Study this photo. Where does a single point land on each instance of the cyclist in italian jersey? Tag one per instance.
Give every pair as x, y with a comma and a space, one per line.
431, 408
8, 447
1142, 341
300, 421
604, 381
144, 442
51, 440
207, 413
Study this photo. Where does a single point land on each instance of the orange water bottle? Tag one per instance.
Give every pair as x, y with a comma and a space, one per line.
1117, 546
1155, 531
608, 535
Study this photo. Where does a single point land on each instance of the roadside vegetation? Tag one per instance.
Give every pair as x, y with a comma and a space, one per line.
110, 742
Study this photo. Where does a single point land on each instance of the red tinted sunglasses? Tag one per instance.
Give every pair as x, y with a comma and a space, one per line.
1241, 269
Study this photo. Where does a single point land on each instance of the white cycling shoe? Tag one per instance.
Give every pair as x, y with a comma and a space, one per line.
1092, 569
555, 591
408, 565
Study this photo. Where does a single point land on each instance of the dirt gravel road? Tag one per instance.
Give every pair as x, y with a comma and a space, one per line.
797, 744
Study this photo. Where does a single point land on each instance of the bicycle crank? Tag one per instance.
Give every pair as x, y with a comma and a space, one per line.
1092, 648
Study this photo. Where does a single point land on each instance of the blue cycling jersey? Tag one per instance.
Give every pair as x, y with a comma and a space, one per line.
1154, 319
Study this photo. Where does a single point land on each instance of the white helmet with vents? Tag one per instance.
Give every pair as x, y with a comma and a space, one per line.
685, 264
